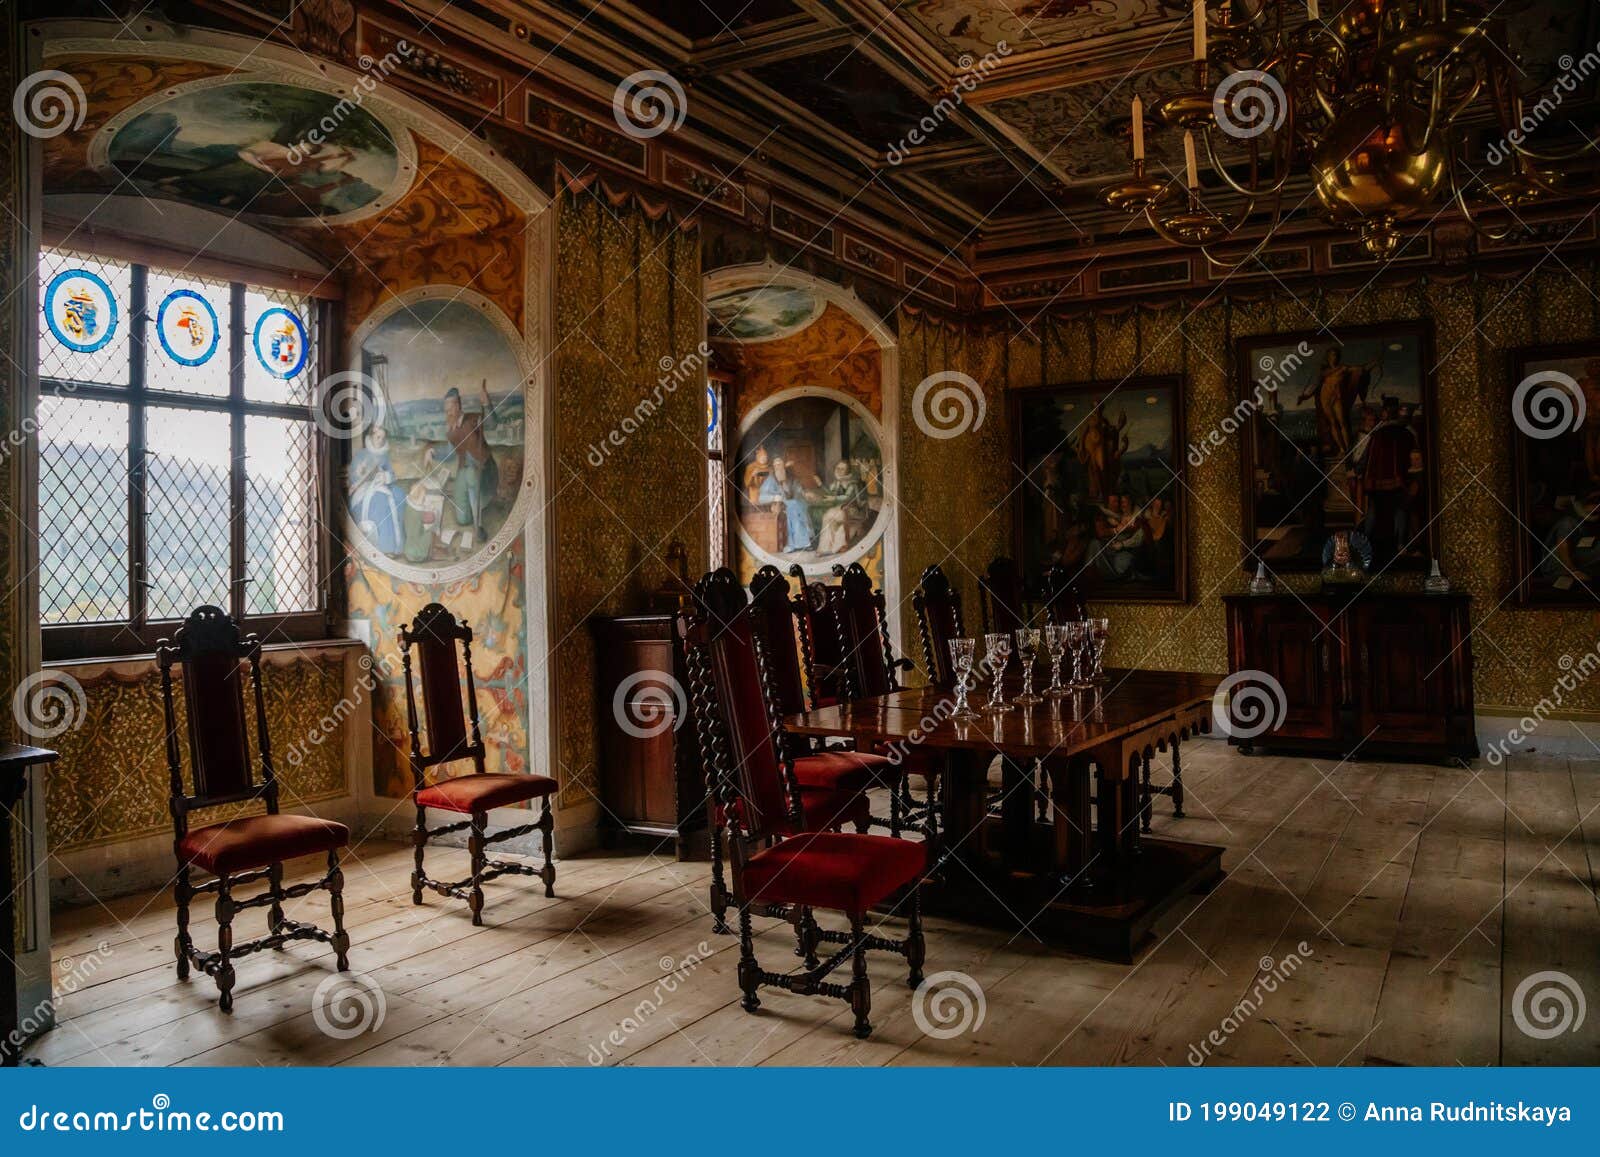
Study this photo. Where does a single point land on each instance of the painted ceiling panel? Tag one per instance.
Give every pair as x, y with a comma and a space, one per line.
973, 26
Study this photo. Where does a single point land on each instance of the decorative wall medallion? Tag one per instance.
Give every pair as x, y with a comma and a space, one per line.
280, 342
438, 484
80, 310
765, 313
186, 326
809, 480
276, 152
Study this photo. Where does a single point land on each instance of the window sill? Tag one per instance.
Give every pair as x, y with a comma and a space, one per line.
329, 644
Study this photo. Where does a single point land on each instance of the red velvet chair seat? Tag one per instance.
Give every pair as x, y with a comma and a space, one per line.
842, 872
470, 793
256, 841
845, 771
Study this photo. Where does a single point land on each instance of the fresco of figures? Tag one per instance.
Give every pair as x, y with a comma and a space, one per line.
1102, 490
808, 483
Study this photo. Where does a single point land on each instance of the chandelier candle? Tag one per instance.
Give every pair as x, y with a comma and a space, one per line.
1138, 129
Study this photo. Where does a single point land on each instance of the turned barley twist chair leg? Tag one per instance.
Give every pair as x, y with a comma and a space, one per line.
225, 911
916, 946
419, 841
182, 944
275, 889
719, 886
860, 987
547, 826
475, 847
749, 970
341, 938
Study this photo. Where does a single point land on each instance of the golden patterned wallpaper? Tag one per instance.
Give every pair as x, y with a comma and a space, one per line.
628, 308
112, 781
956, 493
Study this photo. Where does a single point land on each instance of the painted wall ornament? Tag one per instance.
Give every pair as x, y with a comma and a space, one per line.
438, 483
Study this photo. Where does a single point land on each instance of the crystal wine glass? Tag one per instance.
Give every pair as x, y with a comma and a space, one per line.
1027, 651
997, 652
1099, 633
1077, 640
962, 653
1055, 644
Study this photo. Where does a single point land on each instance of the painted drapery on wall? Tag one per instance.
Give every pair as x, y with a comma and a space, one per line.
1476, 321
627, 311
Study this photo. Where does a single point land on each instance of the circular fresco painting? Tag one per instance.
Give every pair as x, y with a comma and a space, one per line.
809, 486
271, 150
765, 313
437, 470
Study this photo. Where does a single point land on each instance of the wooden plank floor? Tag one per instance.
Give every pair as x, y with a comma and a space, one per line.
1372, 914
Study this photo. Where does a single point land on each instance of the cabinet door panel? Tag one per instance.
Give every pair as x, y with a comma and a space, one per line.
1300, 650
1403, 671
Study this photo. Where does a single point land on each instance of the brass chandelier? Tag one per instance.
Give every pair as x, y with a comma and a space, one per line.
1375, 102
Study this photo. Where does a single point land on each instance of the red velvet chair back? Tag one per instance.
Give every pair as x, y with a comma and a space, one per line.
1063, 601
737, 708
213, 658
1000, 597
938, 606
452, 718
821, 648
858, 617
772, 607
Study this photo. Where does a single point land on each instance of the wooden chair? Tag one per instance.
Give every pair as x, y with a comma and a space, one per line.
1063, 601
1000, 598
821, 648
833, 784
741, 742
938, 607
247, 849
434, 634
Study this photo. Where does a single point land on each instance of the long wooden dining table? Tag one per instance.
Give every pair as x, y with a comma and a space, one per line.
1082, 876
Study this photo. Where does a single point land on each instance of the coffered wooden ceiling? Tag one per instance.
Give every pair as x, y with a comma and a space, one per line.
842, 96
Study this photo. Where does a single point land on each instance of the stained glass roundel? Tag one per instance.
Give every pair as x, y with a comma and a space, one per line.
280, 342
81, 310
186, 326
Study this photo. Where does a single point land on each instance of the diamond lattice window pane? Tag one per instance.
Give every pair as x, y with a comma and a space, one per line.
187, 510
280, 516
189, 334
83, 511
84, 305
280, 352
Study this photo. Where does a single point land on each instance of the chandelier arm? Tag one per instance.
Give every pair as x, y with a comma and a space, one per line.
1548, 158
1154, 222
1466, 210
1221, 171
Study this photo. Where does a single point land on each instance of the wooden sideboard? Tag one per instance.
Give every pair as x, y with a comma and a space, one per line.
649, 774
1363, 673
15, 759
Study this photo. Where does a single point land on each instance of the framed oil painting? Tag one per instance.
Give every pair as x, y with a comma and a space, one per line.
1102, 490
809, 481
1340, 437
1555, 456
